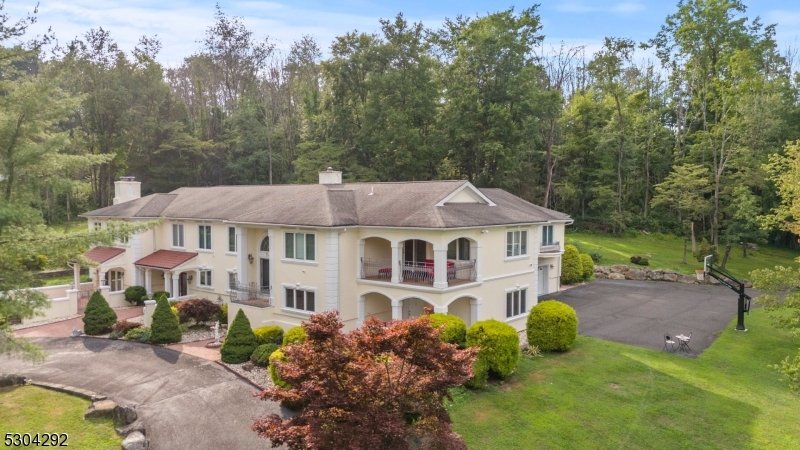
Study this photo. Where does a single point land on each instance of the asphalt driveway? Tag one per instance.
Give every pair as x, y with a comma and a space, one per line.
641, 312
185, 401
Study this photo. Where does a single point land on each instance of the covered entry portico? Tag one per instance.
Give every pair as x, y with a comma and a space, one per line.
168, 270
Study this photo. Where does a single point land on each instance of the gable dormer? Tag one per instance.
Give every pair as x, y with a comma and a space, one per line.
466, 194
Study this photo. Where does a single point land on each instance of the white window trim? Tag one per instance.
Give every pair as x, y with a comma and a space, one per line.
305, 312
231, 272
172, 236
200, 279
552, 234
210, 241
235, 250
527, 245
527, 301
121, 279
313, 262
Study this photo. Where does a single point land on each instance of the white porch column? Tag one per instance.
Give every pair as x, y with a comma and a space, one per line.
360, 261
361, 313
397, 309
475, 254
102, 278
474, 310
242, 248
176, 291
148, 280
138, 279
439, 266
168, 282
76, 276
397, 251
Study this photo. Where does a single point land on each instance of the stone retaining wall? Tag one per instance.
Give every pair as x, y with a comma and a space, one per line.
624, 272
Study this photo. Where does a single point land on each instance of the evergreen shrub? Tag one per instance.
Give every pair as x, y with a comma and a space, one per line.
98, 317
295, 335
552, 326
270, 334
261, 354
135, 295
141, 334
165, 328
499, 349
571, 267
240, 341
277, 355
455, 330
587, 264
159, 294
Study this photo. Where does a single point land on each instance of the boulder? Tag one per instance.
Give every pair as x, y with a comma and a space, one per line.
712, 280
135, 441
636, 274
616, 276
102, 408
656, 275
747, 283
7, 380
601, 269
687, 279
124, 415
600, 275
670, 276
619, 268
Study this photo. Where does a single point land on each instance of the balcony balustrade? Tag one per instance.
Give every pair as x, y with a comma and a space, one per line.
250, 295
552, 247
418, 273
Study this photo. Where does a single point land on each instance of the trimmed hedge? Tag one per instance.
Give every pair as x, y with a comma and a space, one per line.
141, 334
98, 317
277, 355
261, 354
455, 330
499, 350
552, 326
295, 335
587, 265
571, 267
240, 342
165, 328
135, 295
270, 334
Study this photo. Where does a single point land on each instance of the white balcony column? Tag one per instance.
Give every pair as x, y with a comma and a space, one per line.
475, 254
176, 290
168, 283
241, 246
148, 280
397, 309
439, 266
361, 305
360, 261
397, 251
474, 310
76, 276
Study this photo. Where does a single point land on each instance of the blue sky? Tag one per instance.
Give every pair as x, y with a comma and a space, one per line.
180, 24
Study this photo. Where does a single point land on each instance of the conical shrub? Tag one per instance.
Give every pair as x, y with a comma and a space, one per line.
240, 341
98, 317
165, 328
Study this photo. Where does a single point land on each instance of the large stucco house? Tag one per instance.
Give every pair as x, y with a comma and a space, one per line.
386, 250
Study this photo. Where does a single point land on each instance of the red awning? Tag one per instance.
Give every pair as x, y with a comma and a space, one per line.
103, 254
165, 259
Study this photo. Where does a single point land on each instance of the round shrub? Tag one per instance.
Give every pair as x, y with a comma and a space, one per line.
165, 328
141, 334
270, 334
552, 326
295, 335
480, 374
261, 354
199, 310
455, 330
277, 355
499, 347
240, 342
98, 317
571, 268
223, 314
135, 294
587, 265
158, 294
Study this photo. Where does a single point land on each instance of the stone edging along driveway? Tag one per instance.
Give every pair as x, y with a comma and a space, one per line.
624, 272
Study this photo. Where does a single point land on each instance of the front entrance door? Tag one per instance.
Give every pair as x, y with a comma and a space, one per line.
183, 284
264, 274
544, 279
412, 307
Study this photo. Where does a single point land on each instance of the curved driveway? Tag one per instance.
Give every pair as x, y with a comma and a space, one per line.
184, 401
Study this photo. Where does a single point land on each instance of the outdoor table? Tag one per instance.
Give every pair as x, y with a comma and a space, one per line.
683, 343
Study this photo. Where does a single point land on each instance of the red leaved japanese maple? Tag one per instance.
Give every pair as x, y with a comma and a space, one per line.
378, 387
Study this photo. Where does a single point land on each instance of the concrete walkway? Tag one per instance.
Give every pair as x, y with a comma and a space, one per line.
641, 312
64, 327
185, 401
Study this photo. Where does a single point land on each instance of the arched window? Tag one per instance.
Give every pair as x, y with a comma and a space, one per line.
264, 245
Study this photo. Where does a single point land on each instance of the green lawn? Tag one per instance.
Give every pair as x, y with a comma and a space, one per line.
606, 395
30, 409
71, 227
666, 252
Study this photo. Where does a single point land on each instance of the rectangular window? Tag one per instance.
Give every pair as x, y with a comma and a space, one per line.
114, 280
205, 278
301, 299
516, 243
177, 235
204, 232
547, 235
231, 280
301, 246
98, 225
232, 239
516, 303
458, 249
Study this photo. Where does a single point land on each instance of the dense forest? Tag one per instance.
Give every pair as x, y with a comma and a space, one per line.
676, 143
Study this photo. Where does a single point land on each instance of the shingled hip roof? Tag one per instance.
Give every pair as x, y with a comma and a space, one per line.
103, 254
165, 259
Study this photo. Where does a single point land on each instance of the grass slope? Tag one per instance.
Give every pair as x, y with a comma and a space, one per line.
602, 395
667, 253
30, 409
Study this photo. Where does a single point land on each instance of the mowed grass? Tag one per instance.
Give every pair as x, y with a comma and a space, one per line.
30, 409
666, 252
66, 279
604, 395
